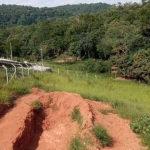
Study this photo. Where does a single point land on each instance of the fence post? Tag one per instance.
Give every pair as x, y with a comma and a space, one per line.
32, 68
14, 71
28, 68
6, 73
86, 75
96, 76
22, 70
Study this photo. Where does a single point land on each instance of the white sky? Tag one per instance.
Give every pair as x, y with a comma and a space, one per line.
52, 3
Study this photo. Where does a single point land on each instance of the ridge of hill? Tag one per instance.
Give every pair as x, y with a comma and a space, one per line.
26, 15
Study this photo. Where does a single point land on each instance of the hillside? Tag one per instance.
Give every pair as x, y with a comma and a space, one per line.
26, 15
118, 36
51, 126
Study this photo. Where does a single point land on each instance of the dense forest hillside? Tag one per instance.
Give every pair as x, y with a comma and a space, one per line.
26, 15
117, 36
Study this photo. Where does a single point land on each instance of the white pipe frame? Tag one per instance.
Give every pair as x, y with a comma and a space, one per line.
14, 75
6, 72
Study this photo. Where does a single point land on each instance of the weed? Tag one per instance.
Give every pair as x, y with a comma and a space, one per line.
106, 111
76, 115
36, 104
102, 135
77, 144
142, 126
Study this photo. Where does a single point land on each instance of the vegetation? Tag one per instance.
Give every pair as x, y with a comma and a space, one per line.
77, 144
27, 15
117, 36
142, 126
102, 135
76, 116
118, 93
106, 111
36, 104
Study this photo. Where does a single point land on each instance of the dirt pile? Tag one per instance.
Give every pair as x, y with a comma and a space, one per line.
51, 127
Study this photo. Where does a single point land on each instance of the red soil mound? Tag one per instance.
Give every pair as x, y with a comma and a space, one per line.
51, 127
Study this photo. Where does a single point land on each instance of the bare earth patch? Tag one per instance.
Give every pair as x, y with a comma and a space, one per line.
51, 127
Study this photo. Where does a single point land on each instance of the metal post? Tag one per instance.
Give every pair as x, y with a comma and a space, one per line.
14, 71
22, 70
10, 51
33, 68
6, 73
27, 68
42, 56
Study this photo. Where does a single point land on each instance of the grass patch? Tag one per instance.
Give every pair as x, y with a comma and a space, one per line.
101, 134
106, 111
141, 126
76, 115
77, 144
36, 104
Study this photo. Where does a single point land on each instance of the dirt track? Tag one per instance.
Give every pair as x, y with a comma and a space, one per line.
51, 128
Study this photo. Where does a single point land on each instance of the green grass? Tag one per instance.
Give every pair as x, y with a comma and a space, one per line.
36, 104
77, 144
101, 134
130, 99
106, 111
76, 115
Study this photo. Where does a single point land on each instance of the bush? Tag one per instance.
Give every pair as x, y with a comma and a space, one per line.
136, 66
99, 66
101, 135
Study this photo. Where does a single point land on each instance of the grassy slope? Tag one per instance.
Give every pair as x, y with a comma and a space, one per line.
130, 99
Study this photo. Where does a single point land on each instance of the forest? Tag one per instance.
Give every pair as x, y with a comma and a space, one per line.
117, 35
27, 15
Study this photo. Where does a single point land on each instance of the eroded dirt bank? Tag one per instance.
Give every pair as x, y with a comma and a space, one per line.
51, 127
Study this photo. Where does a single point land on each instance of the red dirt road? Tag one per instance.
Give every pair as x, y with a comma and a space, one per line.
51, 128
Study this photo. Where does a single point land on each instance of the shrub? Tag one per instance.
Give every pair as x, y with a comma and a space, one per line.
99, 66
76, 116
101, 135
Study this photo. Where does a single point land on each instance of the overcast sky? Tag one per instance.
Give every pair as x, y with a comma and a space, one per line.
52, 3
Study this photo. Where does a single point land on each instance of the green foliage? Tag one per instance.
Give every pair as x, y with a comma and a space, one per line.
98, 66
106, 111
101, 135
77, 144
26, 15
141, 125
138, 66
36, 104
76, 115
115, 36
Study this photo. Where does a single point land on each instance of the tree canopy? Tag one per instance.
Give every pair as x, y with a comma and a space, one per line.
119, 35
